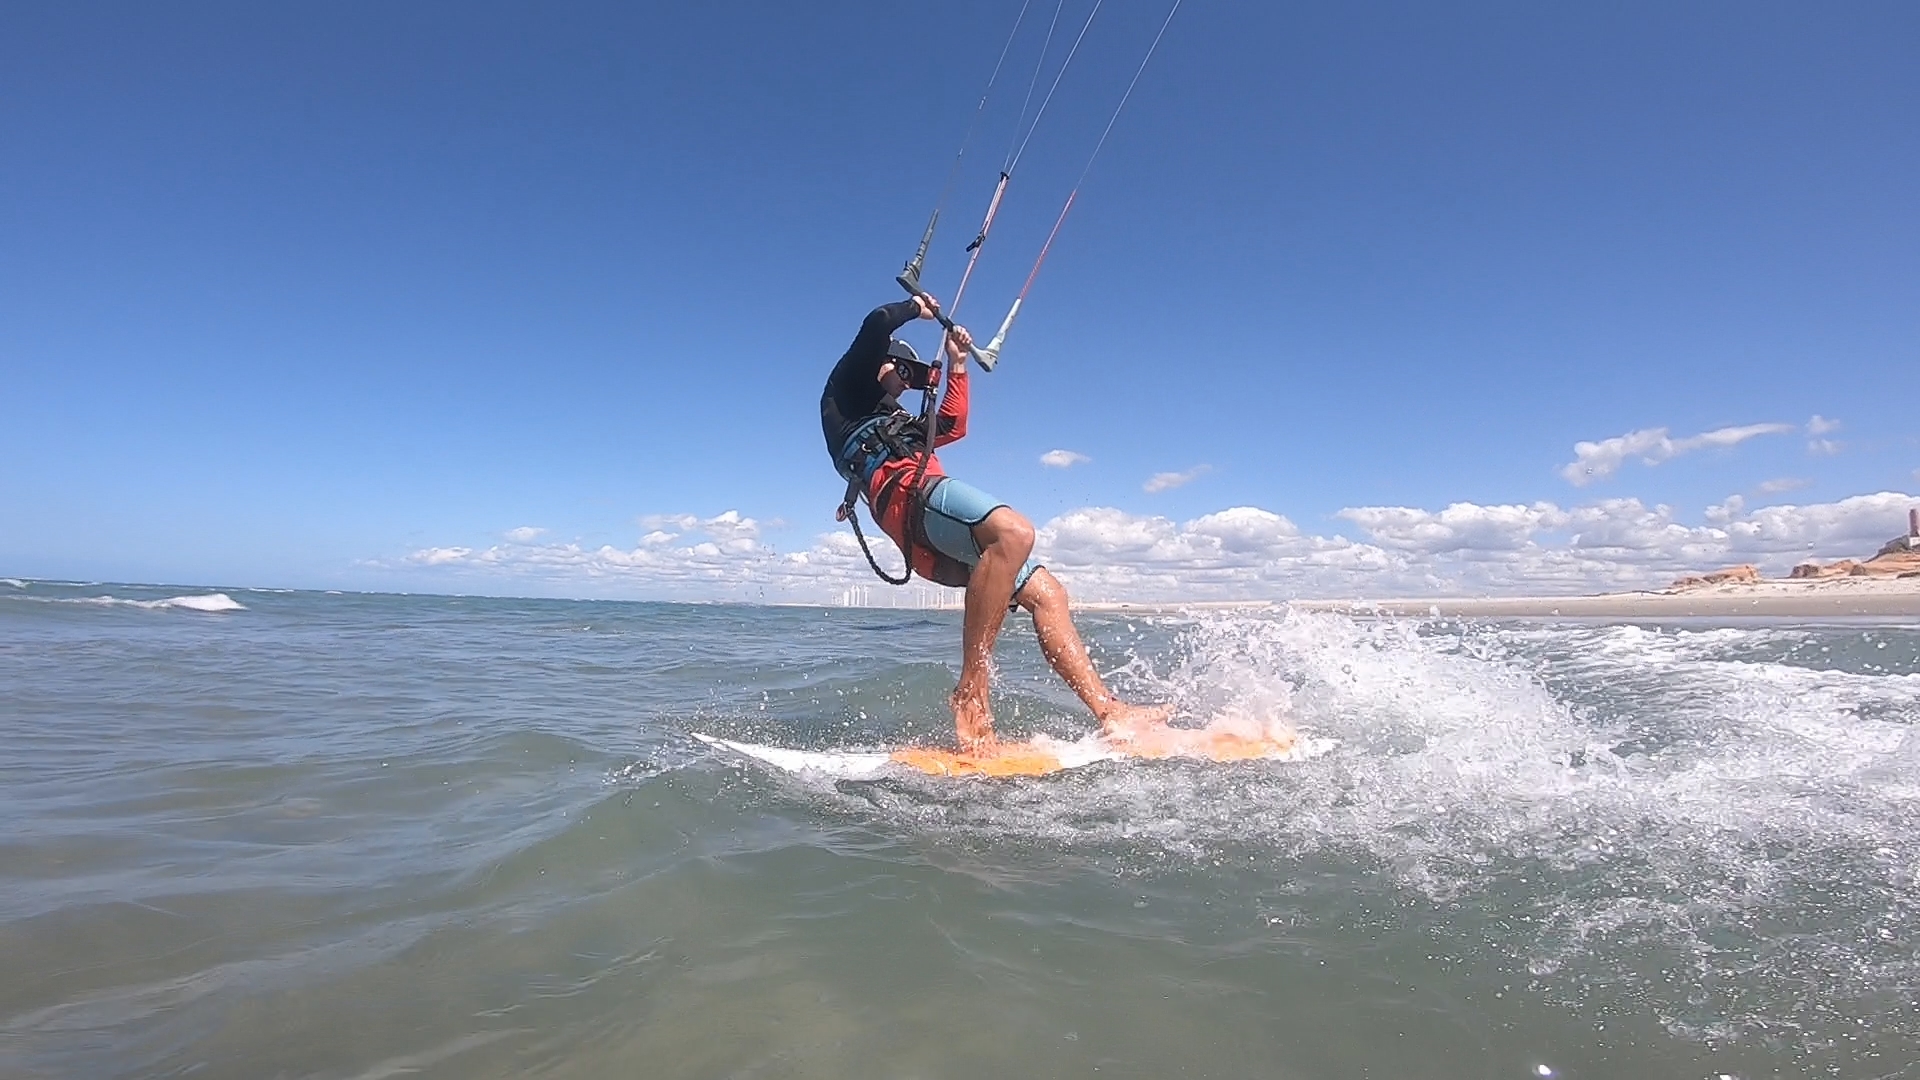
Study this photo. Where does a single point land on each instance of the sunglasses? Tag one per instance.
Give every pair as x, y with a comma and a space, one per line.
916, 375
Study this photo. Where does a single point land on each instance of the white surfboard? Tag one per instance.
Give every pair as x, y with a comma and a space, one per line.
1039, 757
850, 765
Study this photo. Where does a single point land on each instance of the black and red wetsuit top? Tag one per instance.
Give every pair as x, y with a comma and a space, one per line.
854, 396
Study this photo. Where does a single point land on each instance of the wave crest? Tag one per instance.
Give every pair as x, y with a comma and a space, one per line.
212, 603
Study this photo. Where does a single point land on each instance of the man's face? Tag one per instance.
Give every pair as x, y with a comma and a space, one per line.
909, 376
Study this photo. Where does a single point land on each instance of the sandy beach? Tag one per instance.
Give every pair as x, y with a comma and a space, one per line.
1832, 597
1823, 598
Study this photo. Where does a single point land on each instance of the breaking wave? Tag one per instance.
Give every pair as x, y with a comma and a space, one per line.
212, 603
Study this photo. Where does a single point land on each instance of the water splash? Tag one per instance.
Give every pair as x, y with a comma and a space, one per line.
1705, 824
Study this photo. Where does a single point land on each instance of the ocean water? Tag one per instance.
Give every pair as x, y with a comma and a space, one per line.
294, 834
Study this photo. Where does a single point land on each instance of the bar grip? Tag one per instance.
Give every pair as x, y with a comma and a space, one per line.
986, 360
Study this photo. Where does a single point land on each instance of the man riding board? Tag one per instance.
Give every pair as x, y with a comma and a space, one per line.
950, 532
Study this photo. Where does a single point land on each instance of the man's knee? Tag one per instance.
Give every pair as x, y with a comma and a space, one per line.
1008, 530
1042, 592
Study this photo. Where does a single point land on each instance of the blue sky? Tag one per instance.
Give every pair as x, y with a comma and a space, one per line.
536, 299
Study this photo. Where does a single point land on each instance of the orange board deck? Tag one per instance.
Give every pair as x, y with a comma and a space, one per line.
1036, 758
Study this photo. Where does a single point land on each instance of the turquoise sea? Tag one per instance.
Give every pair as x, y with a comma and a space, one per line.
297, 834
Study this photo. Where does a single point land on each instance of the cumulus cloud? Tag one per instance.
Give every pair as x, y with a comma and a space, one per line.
1784, 483
1239, 553
1457, 528
1063, 459
1167, 481
1853, 526
1599, 460
525, 534
1729, 509
1242, 552
1618, 543
1820, 425
1462, 549
729, 528
713, 558
670, 523
440, 556
1823, 447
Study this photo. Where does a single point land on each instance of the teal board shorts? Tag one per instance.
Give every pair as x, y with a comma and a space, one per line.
954, 507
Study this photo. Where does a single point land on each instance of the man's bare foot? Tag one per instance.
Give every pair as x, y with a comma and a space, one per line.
1124, 723
981, 748
973, 723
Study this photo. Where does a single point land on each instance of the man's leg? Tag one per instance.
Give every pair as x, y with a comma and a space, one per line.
1060, 642
1005, 540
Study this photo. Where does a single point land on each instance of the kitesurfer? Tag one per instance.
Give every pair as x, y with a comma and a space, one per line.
950, 532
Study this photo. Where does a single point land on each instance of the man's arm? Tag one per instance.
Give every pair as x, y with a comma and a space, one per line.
951, 425
880, 324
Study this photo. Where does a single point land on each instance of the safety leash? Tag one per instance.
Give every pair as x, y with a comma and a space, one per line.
849, 511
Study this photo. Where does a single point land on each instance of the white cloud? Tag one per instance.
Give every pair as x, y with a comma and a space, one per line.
1542, 548
677, 523
1784, 483
1598, 460
1167, 481
1854, 526
440, 556
1244, 552
1627, 530
1063, 459
1101, 532
1823, 447
1239, 553
1729, 509
730, 527
525, 534
1820, 425
1458, 527
727, 528
1245, 528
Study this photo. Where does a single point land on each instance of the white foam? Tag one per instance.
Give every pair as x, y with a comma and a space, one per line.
1678, 794
210, 602
213, 603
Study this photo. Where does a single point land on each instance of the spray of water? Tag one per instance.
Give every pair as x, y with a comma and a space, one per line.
1714, 824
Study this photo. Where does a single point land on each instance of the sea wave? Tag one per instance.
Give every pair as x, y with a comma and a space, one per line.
212, 603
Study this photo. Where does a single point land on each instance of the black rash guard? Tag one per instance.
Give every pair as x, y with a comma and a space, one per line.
853, 393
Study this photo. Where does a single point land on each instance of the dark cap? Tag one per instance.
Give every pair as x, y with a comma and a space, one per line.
906, 363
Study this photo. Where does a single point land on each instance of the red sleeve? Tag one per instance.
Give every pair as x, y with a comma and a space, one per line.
952, 425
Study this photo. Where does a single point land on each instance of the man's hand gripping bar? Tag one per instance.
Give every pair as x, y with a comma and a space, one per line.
910, 281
